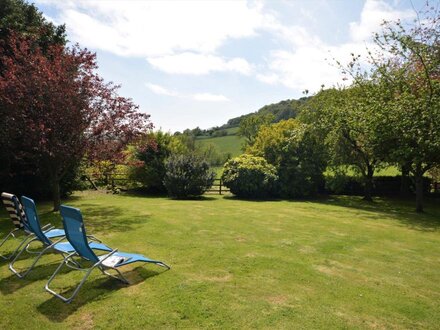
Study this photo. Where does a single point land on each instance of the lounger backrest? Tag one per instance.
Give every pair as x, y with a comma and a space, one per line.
34, 222
76, 232
15, 210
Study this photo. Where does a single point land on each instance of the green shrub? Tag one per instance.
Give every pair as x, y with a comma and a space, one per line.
250, 177
296, 153
148, 159
187, 176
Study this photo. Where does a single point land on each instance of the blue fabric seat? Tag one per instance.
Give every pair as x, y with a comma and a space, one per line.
76, 235
44, 237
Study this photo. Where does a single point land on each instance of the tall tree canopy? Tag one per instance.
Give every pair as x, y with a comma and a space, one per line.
349, 125
23, 18
56, 109
407, 66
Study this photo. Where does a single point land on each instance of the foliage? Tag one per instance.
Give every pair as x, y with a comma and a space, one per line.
250, 177
148, 157
282, 110
250, 125
346, 119
407, 69
56, 109
187, 176
434, 173
20, 17
297, 154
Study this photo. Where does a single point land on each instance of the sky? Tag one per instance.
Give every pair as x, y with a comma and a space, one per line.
200, 63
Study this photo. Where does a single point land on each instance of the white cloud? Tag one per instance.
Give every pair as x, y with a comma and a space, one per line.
203, 97
198, 64
310, 63
186, 37
210, 97
146, 28
160, 90
373, 14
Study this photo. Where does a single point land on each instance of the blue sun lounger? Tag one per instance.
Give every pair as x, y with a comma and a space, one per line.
76, 235
44, 237
19, 220
16, 213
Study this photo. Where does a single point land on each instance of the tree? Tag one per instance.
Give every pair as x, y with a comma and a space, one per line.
250, 125
296, 153
56, 109
406, 67
348, 121
149, 158
19, 17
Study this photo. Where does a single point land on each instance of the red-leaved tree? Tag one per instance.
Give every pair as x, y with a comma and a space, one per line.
56, 110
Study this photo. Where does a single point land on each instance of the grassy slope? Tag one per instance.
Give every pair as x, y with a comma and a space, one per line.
333, 263
224, 144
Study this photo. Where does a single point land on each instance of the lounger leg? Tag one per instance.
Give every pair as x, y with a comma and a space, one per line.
23, 275
24, 241
11, 234
39, 254
75, 292
4, 240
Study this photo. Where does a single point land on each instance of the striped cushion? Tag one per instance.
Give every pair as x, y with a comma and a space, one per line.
15, 209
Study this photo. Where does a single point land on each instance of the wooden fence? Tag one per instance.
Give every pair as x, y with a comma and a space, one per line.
218, 187
120, 179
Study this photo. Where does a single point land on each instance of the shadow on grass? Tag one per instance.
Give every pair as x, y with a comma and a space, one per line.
103, 219
402, 210
12, 283
196, 198
99, 289
258, 200
149, 195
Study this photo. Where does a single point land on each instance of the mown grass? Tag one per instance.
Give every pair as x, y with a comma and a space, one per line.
329, 263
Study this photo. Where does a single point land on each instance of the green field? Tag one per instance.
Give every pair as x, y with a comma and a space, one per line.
330, 263
225, 144
387, 171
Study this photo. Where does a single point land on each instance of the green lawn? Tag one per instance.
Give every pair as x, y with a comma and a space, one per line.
330, 263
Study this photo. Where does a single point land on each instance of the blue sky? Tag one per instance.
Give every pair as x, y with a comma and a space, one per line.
200, 63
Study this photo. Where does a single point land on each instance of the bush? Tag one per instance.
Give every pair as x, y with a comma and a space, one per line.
148, 159
250, 177
187, 176
298, 155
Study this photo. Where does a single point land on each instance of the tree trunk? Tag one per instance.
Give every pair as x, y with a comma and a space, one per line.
56, 194
55, 182
419, 188
368, 185
405, 183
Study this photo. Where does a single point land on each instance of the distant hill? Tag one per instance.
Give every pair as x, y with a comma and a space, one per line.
282, 110
222, 142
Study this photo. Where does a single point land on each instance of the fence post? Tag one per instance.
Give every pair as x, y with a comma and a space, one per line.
220, 187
